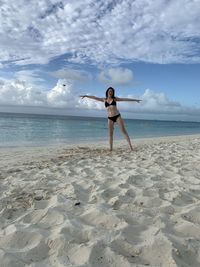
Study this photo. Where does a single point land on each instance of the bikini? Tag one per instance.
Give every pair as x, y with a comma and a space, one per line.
113, 103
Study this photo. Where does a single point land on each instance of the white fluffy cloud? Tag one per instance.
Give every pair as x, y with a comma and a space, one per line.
64, 95
116, 76
101, 31
61, 96
31, 77
72, 75
153, 102
18, 93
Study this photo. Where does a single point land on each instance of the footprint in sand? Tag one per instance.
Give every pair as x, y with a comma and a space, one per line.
25, 245
103, 255
192, 216
183, 199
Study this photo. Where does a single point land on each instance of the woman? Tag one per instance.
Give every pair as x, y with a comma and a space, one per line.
113, 113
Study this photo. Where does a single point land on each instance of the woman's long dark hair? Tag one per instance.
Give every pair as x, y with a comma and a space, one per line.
112, 90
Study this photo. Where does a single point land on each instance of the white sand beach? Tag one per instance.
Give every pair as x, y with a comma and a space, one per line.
85, 206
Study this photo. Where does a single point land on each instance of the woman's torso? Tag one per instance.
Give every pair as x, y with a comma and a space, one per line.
111, 106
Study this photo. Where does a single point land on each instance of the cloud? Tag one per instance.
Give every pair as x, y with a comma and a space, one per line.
116, 76
32, 77
72, 75
64, 95
159, 102
19, 93
100, 32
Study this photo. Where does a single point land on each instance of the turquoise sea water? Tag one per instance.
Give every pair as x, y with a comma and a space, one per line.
34, 130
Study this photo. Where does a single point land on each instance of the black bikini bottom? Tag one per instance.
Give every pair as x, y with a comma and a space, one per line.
114, 118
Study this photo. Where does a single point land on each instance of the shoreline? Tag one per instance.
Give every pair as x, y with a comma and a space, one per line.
94, 143
13, 155
118, 143
83, 205
88, 142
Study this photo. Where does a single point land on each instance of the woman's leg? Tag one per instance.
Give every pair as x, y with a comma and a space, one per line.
110, 132
122, 128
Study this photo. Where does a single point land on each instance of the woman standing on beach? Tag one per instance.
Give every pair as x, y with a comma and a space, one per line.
113, 113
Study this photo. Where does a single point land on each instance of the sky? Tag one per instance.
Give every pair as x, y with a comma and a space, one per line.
53, 51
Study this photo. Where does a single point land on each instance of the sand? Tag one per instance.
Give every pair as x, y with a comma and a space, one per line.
82, 205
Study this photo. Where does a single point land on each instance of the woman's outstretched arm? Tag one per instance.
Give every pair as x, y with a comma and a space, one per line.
93, 97
128, 99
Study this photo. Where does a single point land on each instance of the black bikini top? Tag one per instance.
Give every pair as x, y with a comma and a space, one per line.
113, 103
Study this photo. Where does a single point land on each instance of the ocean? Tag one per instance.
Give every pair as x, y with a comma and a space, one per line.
43, 130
